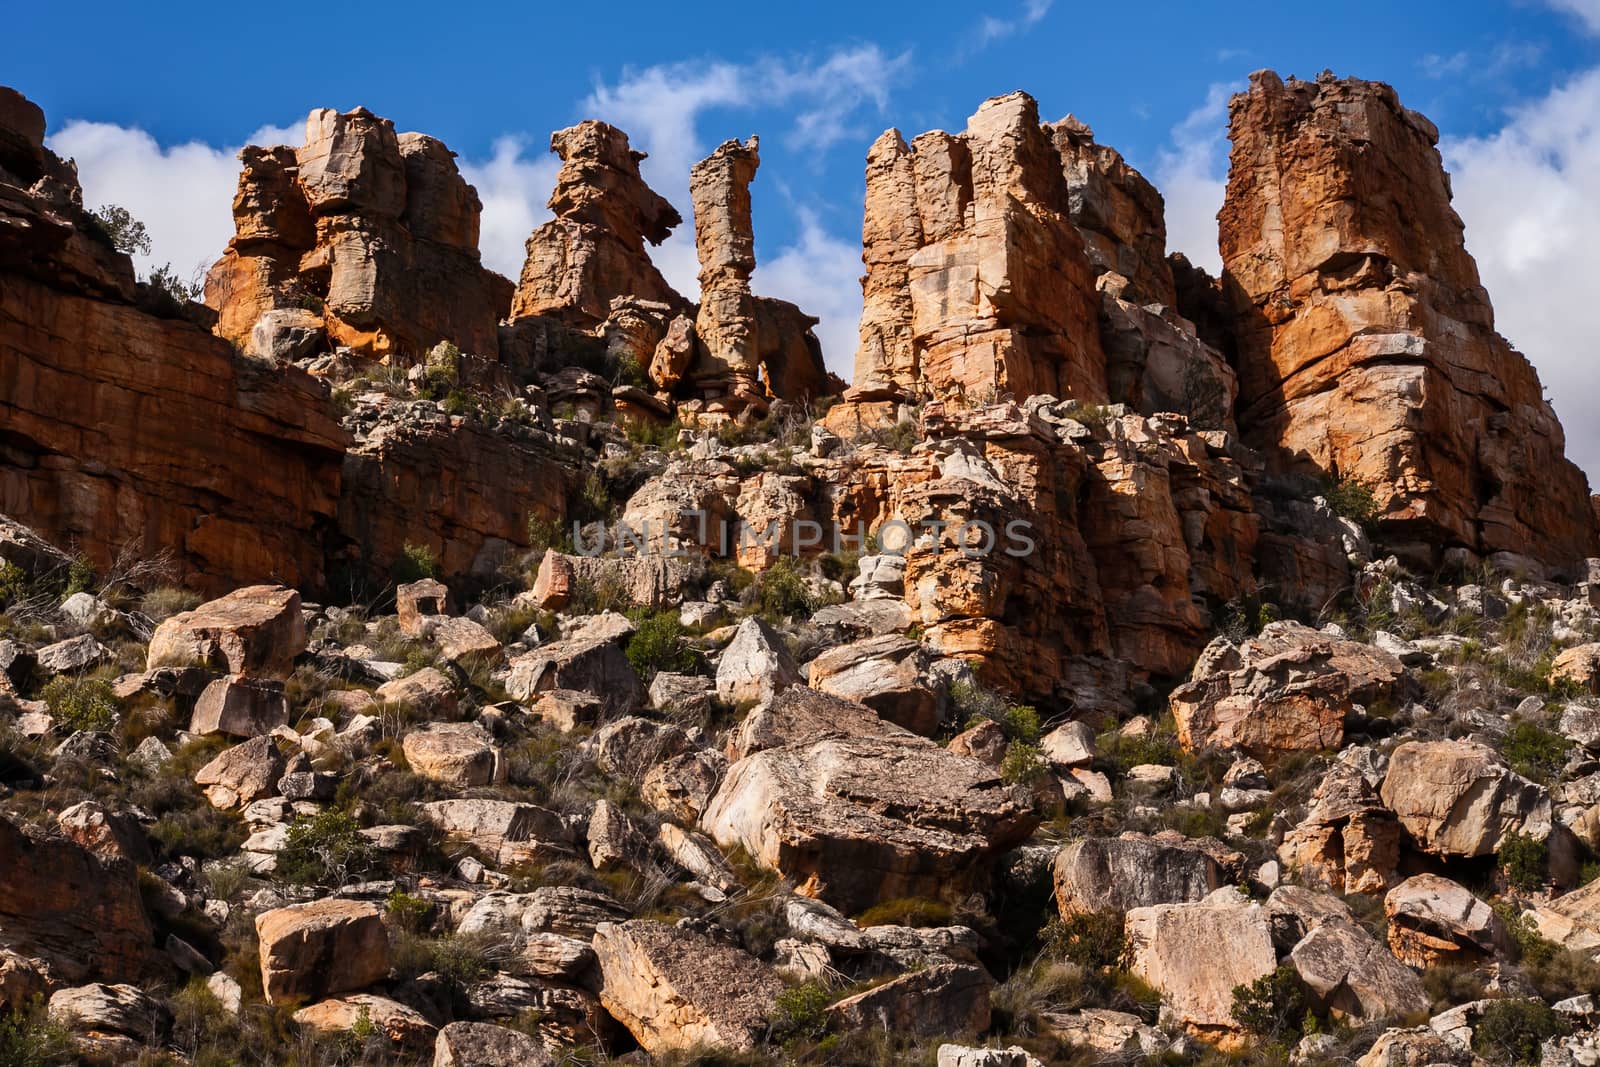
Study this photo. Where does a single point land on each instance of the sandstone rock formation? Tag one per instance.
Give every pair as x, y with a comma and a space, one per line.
1366, 344
1458, 798
361, 234
326, 946
977, 283
593, 252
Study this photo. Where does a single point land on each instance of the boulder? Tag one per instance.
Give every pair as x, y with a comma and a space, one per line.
1165, 949
1117, 874
1458, 798
563, 910
78, 912
455, 753
321, 948
240, 707
1286, 690
888, 674
257, 630
99, 1009
428, 692
242, 774
798, 714
945, 1000
111, 835
567, 709
673, 987
1433, 921
509, 831
1348, 841
1069, 745
1578, 667
402, 1026
417, 602
1572, 920
485, 1045
629, 747
1350, 974
75, 655
590, 660
985, 742
682, 786
755, 666
862, 819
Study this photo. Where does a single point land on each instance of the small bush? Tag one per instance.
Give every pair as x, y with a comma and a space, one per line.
408, 912
1511, 1031
1092, 940
125, 233
1021, 723
81, 703
81, 576
1522, 858
801, 1011
1023, 764
657, 645
325, 850
1535, 752
545, 534
1274, 1005
28, 1040
782, 592
1353, 500
165, 601
907, 911
416, 562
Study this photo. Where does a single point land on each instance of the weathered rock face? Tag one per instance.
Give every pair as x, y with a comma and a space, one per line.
1366, 344
1287, 690
108, 398
674, 988
1434, 921
858, 820
593, 251
77, 913
1458, 798
1348, 840
326, 946
373, 235
977, 282
1117, 874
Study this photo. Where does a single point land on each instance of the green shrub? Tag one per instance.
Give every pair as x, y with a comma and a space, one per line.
80, 576
1023, 764
1511, 1031
782, 592
28, 1040
327, 850
125, 233
1021, 723
1091, 940
14, 583
408, 912
907, 911
416, 562
545, 534
1353, 500
1535, 752
657, 645
800, 1011
1274, 1005
165, 601
81, 703
1522, 858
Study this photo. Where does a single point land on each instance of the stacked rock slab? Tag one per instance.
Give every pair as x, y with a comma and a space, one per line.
364, 234
593, 251
1366, 344
125, 423
977, 282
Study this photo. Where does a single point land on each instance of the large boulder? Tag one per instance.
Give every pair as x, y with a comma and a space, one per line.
674, 988
1572, 920
755, 666
1346, 971
1095, 874
321, 948
1433, 921
510, 831
1458, 798
257, 630
862, 819
1287, 690
455, 753
240, 707
1195, 954
945, 1000
1348, 841
402, 1026
888, 674
486, 1045
242, 774
590, 660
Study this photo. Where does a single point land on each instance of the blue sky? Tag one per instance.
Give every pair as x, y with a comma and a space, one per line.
154, 101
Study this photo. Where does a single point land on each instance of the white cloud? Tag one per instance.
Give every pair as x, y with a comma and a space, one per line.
513, 190
1527, 196
991, 28
1192, 176
182, 193
822, 274
1588, 11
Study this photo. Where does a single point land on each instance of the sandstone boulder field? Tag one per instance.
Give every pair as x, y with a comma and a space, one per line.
405, 664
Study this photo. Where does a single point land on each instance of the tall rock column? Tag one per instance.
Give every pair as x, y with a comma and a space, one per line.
593, 251
1366, 344
891, 232
729, 358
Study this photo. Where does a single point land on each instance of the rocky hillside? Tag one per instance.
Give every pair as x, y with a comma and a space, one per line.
399, 664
